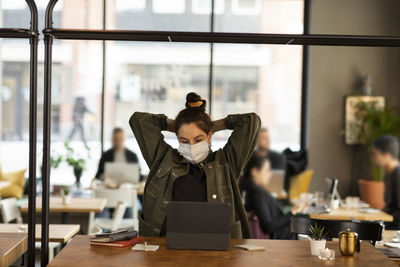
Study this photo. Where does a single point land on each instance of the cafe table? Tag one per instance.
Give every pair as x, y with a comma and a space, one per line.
278, 253
347, 214
78, 205
61, 233
12, 247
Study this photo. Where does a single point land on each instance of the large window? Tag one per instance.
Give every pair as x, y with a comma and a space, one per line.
150, 77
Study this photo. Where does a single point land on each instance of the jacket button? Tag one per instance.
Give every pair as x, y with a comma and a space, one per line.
214, 196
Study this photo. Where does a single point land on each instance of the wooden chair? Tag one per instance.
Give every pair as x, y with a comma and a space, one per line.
366, 230
11, 213
117, 221
115, 198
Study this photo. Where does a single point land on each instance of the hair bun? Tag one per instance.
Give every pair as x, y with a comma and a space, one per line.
194, 101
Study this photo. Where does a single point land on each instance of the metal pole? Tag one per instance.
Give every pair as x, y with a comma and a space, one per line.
103, 81
34, 39
226, 37
305, 109
211, 70
48, 41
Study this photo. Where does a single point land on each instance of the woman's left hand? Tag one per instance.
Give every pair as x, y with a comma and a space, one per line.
218, 125
171, 125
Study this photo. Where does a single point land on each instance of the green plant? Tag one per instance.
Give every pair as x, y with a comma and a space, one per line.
55, 161
318, 232
375, 122
66, 191
73, 159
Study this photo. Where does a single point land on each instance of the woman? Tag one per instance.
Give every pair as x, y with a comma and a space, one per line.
272, 220
193, 172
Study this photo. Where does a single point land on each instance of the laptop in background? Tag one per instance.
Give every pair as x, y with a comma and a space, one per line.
120, 172
198, 225
276, 182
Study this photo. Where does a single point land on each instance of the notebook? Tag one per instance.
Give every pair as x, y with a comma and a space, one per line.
120, 244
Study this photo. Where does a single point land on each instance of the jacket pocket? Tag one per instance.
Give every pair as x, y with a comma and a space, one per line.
236, 229
145, 228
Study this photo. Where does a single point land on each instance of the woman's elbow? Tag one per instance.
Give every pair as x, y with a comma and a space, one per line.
257, 120
134, 119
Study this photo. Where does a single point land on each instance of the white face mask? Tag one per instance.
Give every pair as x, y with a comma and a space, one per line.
194, 153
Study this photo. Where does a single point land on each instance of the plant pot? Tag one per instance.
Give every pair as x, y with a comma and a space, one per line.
316, 246
372, 192
78, 175
66, 199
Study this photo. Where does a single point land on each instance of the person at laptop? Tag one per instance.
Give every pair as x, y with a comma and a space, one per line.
273, 222
118, 152
385, 153
193, 172
278, 161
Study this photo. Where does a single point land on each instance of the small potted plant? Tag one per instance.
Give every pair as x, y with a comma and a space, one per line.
76, 161
66, 196
318, 240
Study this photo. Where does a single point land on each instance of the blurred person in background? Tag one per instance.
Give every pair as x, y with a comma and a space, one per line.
118, 152
385, 154
278, 161
78, 115
273, 222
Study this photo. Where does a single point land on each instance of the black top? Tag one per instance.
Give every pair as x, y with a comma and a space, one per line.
278, 160
392, 195
191, 187
269, 212
108, 156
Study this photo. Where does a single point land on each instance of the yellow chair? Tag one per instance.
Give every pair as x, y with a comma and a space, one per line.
300, 184
16, 186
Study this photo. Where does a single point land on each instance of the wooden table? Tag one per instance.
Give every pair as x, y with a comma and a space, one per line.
278, 253
387, 237
346, 214
57, 232
12, 247
77, 205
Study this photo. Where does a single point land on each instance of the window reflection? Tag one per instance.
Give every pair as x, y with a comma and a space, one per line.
153, 77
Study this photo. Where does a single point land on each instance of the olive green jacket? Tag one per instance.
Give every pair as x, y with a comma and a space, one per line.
222, 169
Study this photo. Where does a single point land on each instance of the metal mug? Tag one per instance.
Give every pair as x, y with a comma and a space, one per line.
349, 243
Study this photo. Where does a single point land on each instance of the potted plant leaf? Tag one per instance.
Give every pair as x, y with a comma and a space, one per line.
375, 122
55, 160
76, 161
66, 196
318, 240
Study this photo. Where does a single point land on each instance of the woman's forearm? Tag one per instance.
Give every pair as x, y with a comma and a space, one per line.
218, 125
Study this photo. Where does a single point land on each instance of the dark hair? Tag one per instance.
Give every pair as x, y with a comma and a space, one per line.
194, 112
117, 130
387, 144
255, 161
